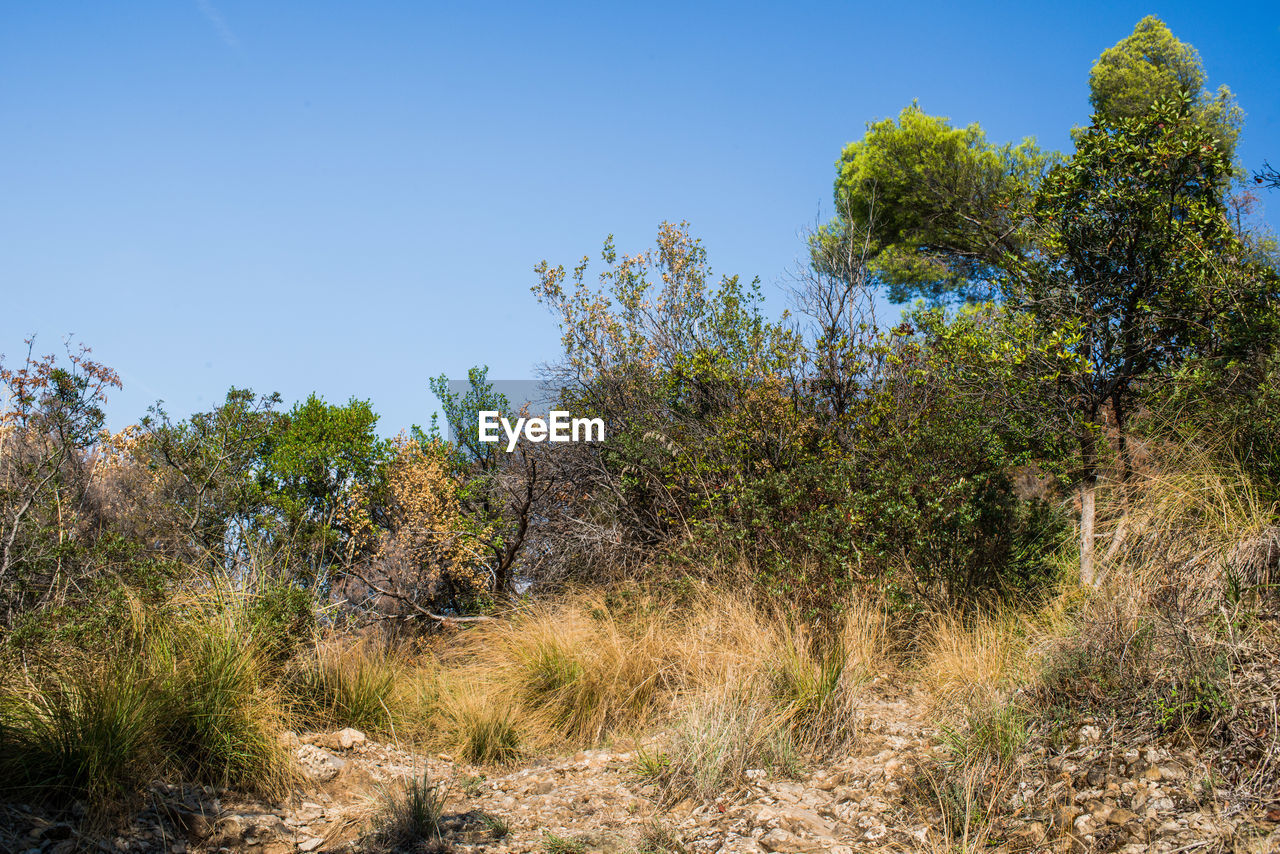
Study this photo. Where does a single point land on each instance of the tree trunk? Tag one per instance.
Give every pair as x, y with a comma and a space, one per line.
1122, 437
1088, 508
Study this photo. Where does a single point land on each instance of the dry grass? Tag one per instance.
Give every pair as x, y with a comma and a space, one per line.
350, 684
959, 803
409, 815
578, 667
971, 663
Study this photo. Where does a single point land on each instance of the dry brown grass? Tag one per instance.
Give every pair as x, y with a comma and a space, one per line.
740, 683
971, 663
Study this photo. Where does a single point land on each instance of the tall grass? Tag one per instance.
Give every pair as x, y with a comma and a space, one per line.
188, 699
345, 685
83, 734
220, 715
579, 668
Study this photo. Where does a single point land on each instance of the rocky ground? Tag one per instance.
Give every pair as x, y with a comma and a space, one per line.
889, 792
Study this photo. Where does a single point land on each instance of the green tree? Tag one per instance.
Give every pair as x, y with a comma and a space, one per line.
1138, 257
317, 454
942, 207
211, 462
461, 413
1150, 66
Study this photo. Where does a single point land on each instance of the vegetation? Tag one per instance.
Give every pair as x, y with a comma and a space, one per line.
1050, 489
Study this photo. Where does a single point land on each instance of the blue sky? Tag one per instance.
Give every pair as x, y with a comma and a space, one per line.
349, 198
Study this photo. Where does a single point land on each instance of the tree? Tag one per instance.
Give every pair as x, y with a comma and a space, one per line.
1138, 258
318, 452
1125, 246
1268, 177
49, 424
672, 360
1151, 66
943, 206
212, 463
422, 550
500, 491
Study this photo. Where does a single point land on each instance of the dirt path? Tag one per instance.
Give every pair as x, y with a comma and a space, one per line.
1091, 796
596, 799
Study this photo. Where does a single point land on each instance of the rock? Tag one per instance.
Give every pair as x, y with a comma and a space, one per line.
1100, 811
1121, 816
319, 764
798, 820
349, 738
1065, 816
784, 842
1028, 835
310, 844
540, 786
308, 812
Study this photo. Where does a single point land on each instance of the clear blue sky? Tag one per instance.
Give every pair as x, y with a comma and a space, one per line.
350, 197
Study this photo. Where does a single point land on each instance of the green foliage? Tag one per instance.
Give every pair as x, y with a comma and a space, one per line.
486, 734
181, 694
650, 765
318, 454
216, 724
941, 205
1229, 404
1140, 259
1201, 699
211, 463
461, 413
1151, 66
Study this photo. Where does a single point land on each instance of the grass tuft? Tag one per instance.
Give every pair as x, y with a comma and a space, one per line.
410, 813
